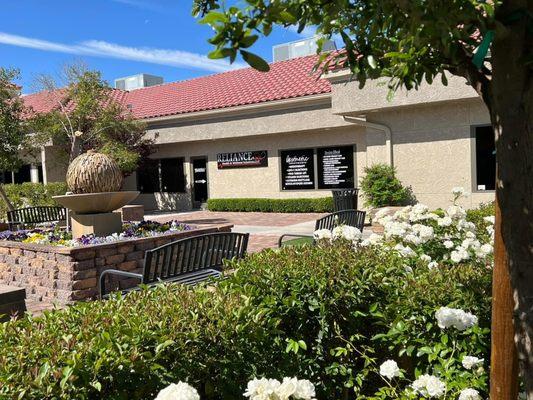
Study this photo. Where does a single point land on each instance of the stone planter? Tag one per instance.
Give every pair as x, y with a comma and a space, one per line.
68, 274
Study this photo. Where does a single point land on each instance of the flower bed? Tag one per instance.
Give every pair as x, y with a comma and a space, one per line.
54, 236
53, 267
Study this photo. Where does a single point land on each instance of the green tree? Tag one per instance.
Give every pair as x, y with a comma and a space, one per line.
13, 137
487, 42
87, 114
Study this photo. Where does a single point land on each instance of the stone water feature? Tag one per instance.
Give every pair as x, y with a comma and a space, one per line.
95, 180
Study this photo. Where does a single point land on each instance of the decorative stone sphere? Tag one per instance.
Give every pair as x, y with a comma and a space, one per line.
93, 172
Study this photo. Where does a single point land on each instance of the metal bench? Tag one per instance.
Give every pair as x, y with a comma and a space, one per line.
35, 215
354, 218
188, 261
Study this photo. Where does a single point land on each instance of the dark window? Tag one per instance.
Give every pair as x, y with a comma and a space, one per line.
172, 175
297, 169
148, 177
6, 177
485, 158
335, 167
23, 174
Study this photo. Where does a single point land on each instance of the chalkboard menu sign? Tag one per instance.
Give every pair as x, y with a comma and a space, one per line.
297, 169
242, 159
335, 167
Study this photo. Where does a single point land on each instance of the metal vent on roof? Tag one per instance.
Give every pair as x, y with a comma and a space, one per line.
137, 81
299, 48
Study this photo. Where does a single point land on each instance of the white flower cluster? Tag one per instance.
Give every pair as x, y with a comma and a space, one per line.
416, 233
344, 232
272, 389
179, 391
429, 386
469, 394
470, 362
454, 317
389, 369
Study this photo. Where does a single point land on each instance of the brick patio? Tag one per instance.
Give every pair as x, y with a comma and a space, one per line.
248, 222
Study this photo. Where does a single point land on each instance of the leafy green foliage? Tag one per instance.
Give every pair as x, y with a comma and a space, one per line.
32, 194
86, 115
13, 137
409, 41
382, 188
325, 313
318, 205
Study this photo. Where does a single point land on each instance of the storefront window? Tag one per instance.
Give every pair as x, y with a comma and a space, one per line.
172, 175
162, 175
297, 169
485, 158
335, 167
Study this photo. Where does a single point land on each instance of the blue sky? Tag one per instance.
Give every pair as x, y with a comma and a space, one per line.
117, 37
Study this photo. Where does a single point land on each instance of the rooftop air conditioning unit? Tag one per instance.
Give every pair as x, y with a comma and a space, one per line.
300, 48
137, 81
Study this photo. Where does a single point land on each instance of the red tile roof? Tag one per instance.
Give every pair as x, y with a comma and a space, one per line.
285, 80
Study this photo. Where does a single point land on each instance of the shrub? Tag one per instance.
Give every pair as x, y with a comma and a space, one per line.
318, 205
325, 313
32, 194
381, 187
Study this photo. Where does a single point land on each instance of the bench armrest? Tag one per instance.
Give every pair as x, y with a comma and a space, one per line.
101, 283
280, 240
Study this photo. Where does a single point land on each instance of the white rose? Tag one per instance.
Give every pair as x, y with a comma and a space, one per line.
433, 265
469, 394
180, 391
322, 234
305, 390
346, 232
469, 362
448, 244
445, 221
490, 219
425, 258
429, 386
453, 317
389, 369
262, 389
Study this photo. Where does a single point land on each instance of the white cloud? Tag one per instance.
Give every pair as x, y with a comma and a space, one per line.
174, 58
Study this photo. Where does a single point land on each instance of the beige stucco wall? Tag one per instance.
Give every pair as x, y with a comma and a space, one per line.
431, 136
433, 149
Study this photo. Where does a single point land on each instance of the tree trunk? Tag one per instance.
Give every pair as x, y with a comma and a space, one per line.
512, 118
4, 197
503, 359
75, 148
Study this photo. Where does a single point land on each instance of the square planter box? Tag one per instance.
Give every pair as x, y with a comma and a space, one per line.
67, 274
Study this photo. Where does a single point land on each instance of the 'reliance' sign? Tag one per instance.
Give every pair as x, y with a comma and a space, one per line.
242, 159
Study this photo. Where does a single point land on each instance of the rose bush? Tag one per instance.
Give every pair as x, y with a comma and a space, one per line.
356, 318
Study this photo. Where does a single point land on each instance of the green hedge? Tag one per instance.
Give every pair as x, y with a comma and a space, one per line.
318, 205
32, 194
329, 314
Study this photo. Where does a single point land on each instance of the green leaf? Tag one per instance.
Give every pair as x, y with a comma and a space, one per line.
255, 61
247, 41
221, 53
213, 17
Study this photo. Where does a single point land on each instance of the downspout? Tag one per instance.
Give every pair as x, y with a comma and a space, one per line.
380, 127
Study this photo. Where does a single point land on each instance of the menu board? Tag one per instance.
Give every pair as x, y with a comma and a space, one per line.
297, 169
335, 167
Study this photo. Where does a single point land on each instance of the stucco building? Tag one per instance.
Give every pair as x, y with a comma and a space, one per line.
290, 134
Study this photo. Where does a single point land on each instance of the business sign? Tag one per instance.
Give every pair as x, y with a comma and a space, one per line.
297, 169
335, 167
242, 159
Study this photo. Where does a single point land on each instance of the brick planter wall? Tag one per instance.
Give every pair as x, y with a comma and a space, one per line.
67, 274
